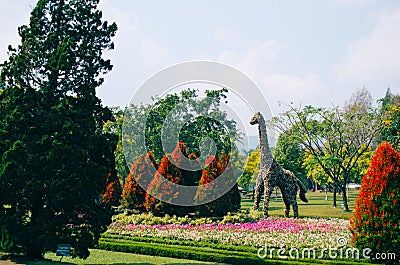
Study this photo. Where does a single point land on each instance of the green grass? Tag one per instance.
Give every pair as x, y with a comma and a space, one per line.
98, 256
317, 206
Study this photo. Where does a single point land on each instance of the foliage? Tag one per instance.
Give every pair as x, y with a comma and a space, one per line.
375, 223
230, 201
390, 128
55, 156
113, 190
290, 155
187, 115
150, 219
114, 126
337, 139
315, 171
133, 195
174, 173
251, 170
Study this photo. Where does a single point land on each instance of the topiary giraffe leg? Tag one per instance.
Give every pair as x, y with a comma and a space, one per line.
258, 192
267, 195
287, 205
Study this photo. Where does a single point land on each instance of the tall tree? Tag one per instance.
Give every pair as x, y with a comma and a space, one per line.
115, 127
55, 155
290, 155
337, 139
389, 130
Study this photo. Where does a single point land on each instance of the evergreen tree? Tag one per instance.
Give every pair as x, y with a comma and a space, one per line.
55, 157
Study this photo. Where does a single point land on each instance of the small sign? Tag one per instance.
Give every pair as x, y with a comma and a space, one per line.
63, 250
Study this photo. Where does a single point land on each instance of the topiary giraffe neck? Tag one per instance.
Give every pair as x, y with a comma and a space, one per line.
265, 153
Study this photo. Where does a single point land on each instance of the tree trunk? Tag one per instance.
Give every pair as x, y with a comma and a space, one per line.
334, 197
345, 204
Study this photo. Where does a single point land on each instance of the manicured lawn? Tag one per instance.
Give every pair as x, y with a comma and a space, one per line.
317, 206
108, 257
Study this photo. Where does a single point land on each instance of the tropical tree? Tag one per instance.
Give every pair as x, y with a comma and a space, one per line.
251, 170
389, 130
114, 126
289, 153
186, 115
55, 155
336, 138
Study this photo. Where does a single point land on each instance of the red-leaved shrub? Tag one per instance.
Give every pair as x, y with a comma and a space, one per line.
113, 190
133, 195
230, 201
375, 223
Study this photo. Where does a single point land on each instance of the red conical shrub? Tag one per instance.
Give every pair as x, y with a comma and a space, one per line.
113, 190
230, 201
175, 174
375, 223
133, 195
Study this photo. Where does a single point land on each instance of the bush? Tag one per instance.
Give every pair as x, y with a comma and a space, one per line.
133, 195
150, 219
375, 223
175, 174
113, 191
230, 201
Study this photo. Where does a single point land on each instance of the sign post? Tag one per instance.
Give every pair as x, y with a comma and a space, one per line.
63, 250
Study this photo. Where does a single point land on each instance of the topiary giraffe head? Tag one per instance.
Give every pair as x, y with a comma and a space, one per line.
255, 118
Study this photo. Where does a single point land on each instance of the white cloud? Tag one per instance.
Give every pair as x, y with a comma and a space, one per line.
257, 59
374, 60
258, 62
304, 90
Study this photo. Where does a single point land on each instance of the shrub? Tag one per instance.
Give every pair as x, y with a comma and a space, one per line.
230, 201
113, 191
133, 195
375, 223
175, 174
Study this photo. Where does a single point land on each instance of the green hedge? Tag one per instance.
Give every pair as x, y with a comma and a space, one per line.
200, 253
179, 242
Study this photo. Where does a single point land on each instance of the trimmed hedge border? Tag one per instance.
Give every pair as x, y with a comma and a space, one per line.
180, 242
202, 253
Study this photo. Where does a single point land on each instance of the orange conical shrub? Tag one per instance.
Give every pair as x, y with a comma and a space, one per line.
113, 190
133, 195
230, 201
174, 173
375, 223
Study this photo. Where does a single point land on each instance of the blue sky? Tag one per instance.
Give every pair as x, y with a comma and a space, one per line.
306, 52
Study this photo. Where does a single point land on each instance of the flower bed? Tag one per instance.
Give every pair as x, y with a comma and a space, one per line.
274, 232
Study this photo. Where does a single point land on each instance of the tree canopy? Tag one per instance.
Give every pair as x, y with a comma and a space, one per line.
336, 138
55, 155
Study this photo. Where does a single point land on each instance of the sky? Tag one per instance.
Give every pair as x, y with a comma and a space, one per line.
305, 52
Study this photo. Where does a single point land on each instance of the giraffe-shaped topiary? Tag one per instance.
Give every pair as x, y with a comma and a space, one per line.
272, 174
